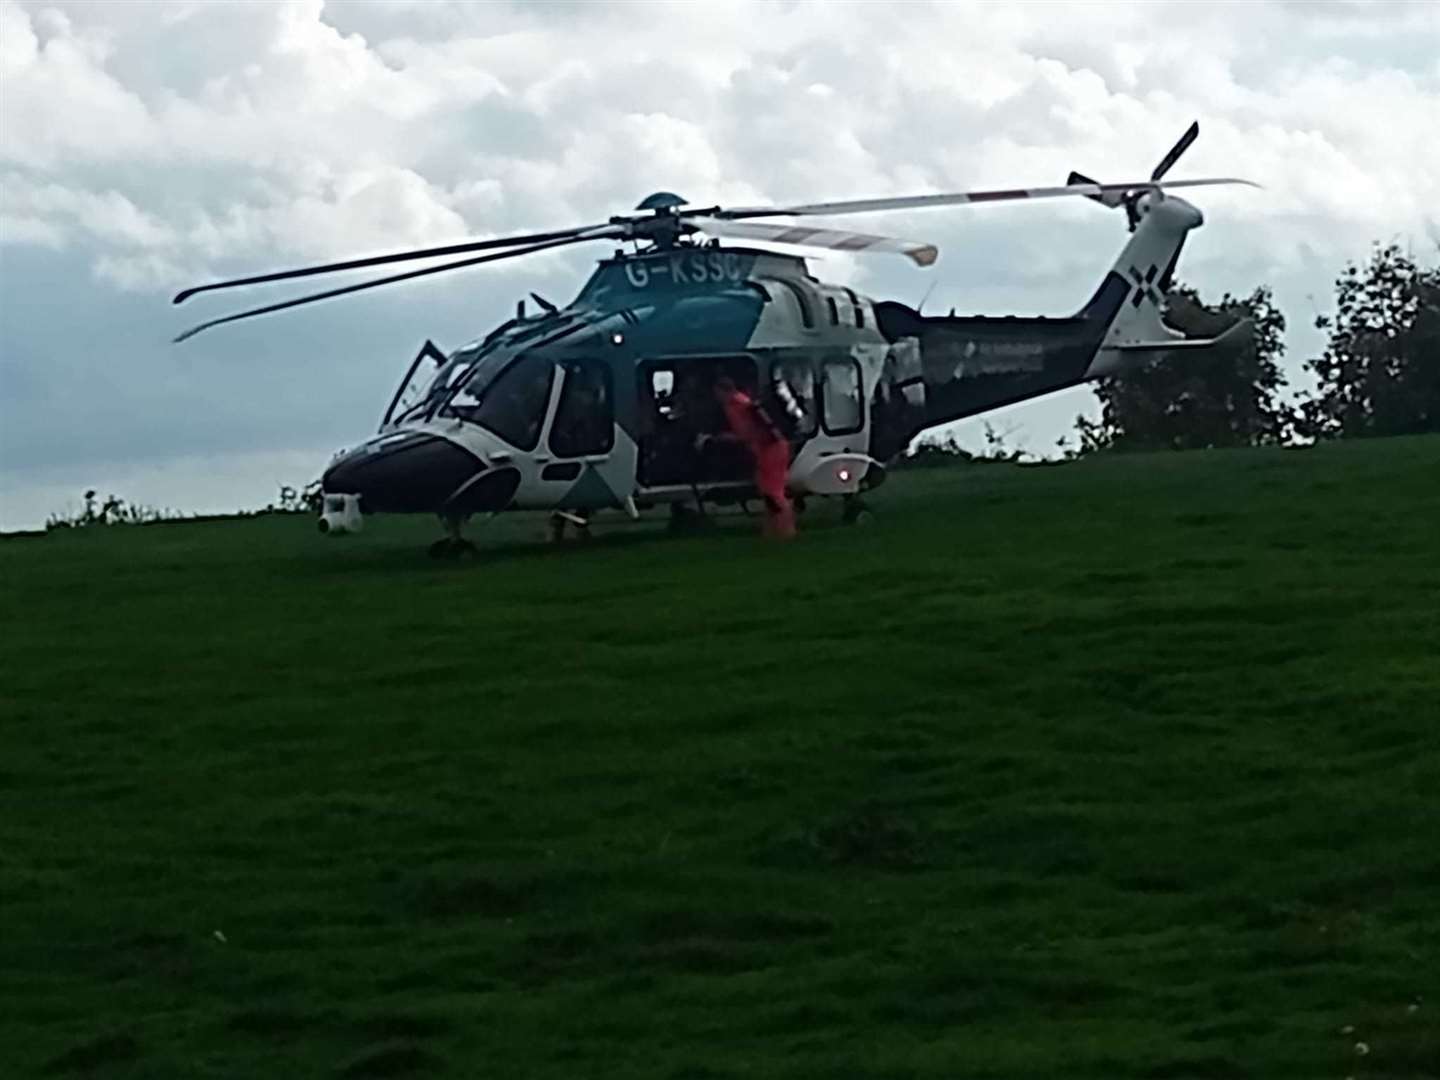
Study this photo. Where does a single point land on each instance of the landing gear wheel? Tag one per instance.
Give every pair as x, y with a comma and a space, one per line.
685, 521
452, 547
856, 512
561, 518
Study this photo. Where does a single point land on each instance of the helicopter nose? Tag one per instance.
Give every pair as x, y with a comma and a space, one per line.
415, 474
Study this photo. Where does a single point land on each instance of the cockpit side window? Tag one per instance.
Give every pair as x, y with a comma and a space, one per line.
585, 418
512, 405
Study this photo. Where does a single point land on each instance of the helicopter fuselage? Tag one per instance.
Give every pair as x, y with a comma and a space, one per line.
570, 409
597, 404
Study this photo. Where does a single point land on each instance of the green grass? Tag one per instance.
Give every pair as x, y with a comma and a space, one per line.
1126, 768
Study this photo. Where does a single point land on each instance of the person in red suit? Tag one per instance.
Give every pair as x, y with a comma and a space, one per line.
750, 425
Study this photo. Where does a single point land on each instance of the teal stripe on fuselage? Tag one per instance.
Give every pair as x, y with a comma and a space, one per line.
639, 311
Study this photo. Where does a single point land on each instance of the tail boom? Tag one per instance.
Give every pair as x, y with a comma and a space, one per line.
974, 364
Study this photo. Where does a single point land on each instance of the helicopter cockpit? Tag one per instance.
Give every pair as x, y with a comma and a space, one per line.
507, 397
505, 386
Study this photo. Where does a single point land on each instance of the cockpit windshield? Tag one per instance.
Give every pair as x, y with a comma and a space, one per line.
445, 379
510, 402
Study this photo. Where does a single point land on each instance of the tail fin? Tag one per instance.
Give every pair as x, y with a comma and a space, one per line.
1133, 295
1131, 300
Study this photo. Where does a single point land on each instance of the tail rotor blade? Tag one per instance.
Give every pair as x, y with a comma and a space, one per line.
1111, 201
1191, 134
593, 234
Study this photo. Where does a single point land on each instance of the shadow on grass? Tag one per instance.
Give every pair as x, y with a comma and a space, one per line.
867, 838
521, 551
95, 1053
474, 896
273, 1024
397, 1059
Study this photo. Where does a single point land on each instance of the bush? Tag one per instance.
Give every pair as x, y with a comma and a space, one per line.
112, 511
940, 453
116, 511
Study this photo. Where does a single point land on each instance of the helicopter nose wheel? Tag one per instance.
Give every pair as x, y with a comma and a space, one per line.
454, 545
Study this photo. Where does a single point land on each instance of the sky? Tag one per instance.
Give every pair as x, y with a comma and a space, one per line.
147, 146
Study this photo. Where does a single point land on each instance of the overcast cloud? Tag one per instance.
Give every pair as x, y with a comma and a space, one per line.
149, 146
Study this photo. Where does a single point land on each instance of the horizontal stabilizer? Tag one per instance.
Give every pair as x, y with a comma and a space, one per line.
1236, 337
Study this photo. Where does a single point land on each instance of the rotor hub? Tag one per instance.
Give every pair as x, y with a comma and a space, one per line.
662, 200
664, 226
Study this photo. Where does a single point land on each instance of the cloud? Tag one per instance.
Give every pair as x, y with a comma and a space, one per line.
145, 147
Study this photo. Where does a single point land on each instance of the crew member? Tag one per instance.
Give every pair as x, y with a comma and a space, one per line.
751, 425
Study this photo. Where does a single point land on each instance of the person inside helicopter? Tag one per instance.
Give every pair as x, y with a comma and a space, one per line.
681, 408
753, 428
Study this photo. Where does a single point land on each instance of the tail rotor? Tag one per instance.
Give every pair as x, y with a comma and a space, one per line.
1191, 134
1131, 199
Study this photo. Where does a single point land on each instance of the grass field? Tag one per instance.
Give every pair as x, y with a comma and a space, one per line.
1125, 768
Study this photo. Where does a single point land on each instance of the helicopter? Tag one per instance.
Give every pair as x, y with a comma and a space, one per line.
597, 404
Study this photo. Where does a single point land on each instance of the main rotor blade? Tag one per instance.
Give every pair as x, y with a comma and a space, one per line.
835, 239
1191, 134
917, 202
594, 235
399, 256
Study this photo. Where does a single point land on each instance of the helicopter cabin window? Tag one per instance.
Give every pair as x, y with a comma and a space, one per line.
513, 405
807, 320
858, 307
834, 310
844, 411
585, 418
662, 392
792, 388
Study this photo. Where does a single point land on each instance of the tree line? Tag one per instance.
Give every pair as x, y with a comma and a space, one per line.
1378, 375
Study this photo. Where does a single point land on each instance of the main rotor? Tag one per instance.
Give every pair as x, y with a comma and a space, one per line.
664, 227
665, 221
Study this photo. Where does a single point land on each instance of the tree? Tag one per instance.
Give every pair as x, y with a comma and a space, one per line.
1192, 400
1380, 373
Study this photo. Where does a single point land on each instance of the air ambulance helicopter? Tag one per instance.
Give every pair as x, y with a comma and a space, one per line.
597, 404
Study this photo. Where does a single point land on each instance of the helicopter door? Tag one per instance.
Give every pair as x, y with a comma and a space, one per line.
677, 403
412, 386
584, 470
